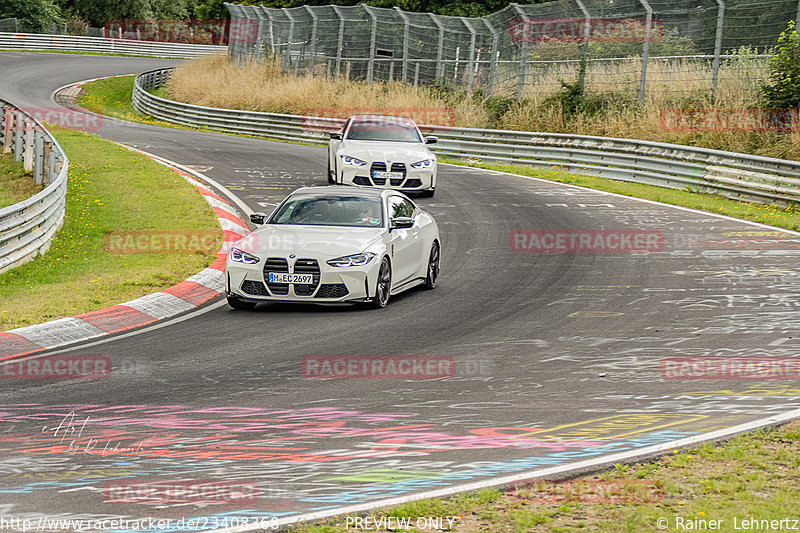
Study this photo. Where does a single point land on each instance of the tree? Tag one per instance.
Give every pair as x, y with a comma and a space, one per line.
35, 15
784, 72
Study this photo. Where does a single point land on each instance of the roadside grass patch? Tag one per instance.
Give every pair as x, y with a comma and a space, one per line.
751, 476
112, 97
110, 188
786, 217
15, 184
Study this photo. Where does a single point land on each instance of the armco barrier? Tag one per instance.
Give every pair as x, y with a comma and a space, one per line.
27, 227
741, 176
34, 41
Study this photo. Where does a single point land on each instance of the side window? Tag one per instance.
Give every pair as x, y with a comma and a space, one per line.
400, 207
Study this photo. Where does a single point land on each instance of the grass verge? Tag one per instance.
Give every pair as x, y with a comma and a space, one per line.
15, 184
109, 189
752, 476
112, 97
788, 217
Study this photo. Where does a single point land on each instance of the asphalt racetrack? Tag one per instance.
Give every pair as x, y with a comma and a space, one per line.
557, 358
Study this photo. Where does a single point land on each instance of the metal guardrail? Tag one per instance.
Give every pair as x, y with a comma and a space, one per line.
34, 41
739, 176
27, 227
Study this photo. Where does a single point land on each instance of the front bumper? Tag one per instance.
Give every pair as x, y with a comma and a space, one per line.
413, 180
331, 284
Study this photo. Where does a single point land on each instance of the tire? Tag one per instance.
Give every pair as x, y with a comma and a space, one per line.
427, 194
243, 305
384, 285
434, 260
331, 177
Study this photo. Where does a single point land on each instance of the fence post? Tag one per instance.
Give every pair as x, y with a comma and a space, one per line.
372, 43
8, 126
271, 28
290, 39
340, 42
38, 149
718, 45
234, 45
405, 42
523, 55
440, 48
313, 50
29, 151
471, 73
587, 28
47, 177
52, 166
18, 136
493, 59
263, 18
645, 49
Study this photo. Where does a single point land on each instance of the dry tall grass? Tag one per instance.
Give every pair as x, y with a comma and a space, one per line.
260, 86
614, 109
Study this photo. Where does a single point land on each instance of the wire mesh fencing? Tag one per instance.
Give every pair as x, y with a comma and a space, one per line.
639, 48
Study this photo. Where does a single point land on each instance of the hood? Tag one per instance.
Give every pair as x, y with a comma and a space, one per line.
386, 151
322, 242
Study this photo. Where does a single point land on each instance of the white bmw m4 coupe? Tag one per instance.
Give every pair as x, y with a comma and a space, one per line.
382, 151
333, 245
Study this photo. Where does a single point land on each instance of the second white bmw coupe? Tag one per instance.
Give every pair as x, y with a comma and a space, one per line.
382, 151
328, 244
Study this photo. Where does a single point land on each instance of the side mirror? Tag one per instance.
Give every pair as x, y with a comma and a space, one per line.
401, 222
431, 139
336, 135
258, 218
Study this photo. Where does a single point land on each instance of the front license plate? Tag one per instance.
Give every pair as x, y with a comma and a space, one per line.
387, 175
298, 279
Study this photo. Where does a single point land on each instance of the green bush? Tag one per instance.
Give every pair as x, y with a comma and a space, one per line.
783, 91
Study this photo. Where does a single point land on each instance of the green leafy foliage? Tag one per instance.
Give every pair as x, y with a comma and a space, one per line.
34, 15
783, 91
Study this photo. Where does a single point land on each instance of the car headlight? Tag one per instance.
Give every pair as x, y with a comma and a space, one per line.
243, 257
352, 260
352, 161
420, 165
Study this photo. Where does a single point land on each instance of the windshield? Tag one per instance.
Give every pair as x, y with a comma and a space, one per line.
392, 129
330, 211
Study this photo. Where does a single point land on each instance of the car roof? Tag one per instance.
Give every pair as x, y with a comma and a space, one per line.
377, 116
338, 190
